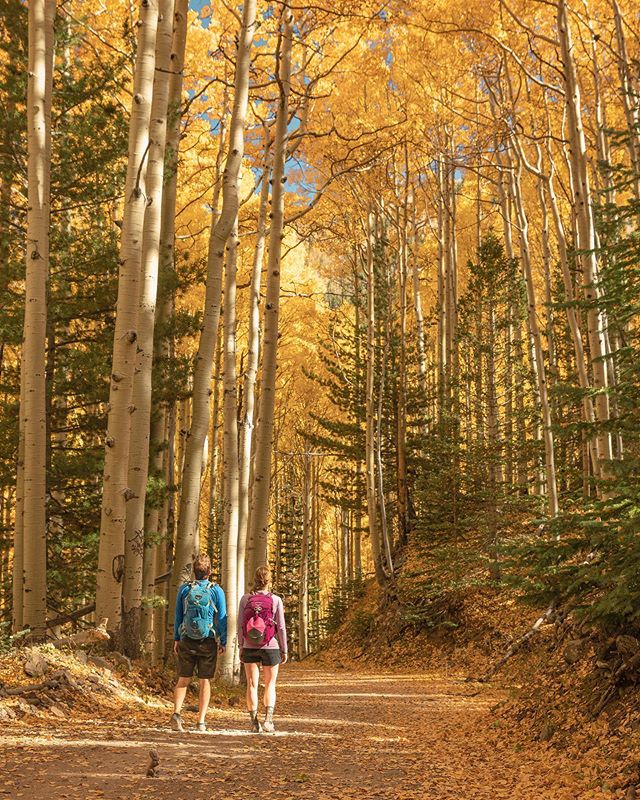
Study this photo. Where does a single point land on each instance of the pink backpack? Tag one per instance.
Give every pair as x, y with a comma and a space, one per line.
258, 623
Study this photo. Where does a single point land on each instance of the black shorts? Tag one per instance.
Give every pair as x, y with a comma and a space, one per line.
197, 653
267, 656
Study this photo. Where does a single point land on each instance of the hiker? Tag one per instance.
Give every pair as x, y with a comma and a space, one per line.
262, 639
200, 631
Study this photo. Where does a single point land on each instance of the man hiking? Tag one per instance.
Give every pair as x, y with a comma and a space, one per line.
200, 630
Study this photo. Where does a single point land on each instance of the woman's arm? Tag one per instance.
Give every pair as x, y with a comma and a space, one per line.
281, 627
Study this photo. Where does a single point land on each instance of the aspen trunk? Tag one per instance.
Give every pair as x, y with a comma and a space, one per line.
187, 535
115, 489
213, 530
303, 577
138, 471
370, 432
629, 100
401, 409
191, 459
229, 659
384, 528
264, 435
253, 352
164, 346
442, 296
152, 542
586, 239
417, 309
536, 338
33, 366
18, 530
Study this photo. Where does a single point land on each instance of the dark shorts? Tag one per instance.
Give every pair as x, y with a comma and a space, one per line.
267, 656
197, 653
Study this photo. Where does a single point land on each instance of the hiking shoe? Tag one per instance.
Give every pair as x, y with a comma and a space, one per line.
176, 722
268, 726
201, 727
256, 727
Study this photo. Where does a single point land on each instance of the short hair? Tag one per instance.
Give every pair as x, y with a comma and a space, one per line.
202, 566
262, 578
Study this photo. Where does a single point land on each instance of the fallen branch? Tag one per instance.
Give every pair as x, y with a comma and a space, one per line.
519, 644
614, 684
72, 616
97, 634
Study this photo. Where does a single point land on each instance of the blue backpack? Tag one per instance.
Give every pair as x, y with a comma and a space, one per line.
198, 602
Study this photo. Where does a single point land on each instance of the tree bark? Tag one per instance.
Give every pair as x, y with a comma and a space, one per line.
586, 238
138, 470
259, 514
536, 337
229, 660
370, 432
115, 489
303, 576
251, 374
187, 535
629, 99
33, 367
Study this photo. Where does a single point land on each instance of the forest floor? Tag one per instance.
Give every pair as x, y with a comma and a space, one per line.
341, 735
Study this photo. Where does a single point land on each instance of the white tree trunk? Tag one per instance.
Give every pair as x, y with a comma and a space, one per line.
187, 535
228, 661
630, 100
138, 470
191, 461
33, 368
303, 576
370, 431
536, 338
259, 514
115, 490
253, 353
585, 228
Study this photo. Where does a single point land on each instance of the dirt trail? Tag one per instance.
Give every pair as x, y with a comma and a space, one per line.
341, 735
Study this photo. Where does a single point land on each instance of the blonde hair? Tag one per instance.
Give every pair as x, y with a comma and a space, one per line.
262, 578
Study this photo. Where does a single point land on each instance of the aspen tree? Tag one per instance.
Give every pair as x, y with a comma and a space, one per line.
32, 574
370, 445
150, 260
251, 373
585, 228
116, 492
18, 527
259, 513
629, 99
536, 337
401, 411
229, 663
187, 534
303, 576
190, 466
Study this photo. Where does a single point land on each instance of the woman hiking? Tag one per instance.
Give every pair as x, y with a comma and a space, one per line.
262, 638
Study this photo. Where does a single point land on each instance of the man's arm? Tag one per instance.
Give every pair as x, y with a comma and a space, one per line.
221, 605
179, 615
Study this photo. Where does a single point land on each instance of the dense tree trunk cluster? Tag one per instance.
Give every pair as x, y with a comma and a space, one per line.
348, 295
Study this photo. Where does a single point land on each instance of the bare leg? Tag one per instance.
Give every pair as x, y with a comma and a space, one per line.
252, 671
179, 693
204, 697
270, 678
